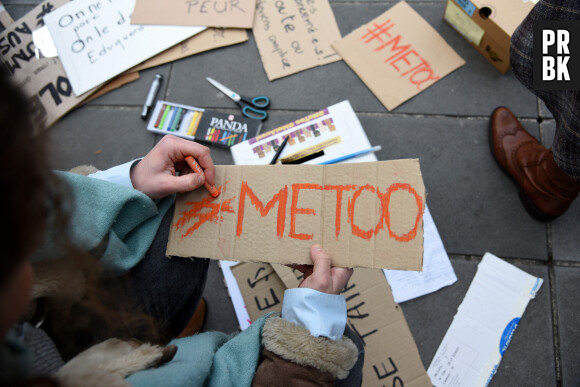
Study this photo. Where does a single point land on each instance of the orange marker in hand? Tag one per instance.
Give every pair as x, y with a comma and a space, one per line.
213, 191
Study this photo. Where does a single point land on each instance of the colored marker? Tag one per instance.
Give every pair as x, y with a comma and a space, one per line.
177, 119
194, 124
165, 114
280, 148
185, 121
173, 114
352, 155
161, 111
151, 96
213, 191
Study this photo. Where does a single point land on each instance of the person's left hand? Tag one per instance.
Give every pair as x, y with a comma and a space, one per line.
156, 174
321, 275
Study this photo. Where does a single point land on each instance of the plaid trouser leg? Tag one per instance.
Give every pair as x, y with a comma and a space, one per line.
564, 104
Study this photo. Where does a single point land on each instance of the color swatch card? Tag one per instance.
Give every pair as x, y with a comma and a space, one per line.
95, 40
329, 133
220, 129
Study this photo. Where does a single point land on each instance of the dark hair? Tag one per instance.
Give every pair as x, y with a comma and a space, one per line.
32, 198
24, 181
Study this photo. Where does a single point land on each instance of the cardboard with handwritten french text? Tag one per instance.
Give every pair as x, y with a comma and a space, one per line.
210, 13
363, 214
44, 81
262, 289
294, 35
94, 52
398, 55
391, 355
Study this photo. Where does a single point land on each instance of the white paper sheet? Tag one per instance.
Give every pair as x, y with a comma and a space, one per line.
485, 322
437, 270
235, 294
95, 40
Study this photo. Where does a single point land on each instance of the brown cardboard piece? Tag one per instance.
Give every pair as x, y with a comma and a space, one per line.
43, 80
363, 214
293, 36
211, 13
398, 55
113, 84
488, 25
391, 355
206, 40
261, 288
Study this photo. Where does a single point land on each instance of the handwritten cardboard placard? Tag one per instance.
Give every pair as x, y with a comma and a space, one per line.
364, 214
391, 355
210, 13
398, 55
294, 35
95, 40
43, 80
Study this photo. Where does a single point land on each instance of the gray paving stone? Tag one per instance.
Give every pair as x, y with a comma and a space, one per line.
474, 204
99, 136
135, 93
529, 359
567, 289
220, 311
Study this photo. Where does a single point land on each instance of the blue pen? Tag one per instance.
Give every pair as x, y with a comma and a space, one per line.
352, 155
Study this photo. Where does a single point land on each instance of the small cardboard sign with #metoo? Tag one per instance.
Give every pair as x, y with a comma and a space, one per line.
363, 214
398, 55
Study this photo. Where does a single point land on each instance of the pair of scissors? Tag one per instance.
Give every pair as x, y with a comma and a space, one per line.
251, 107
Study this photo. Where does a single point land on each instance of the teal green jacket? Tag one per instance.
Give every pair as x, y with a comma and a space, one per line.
127, 220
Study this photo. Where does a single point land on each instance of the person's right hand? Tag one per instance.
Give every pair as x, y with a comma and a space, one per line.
322, 276
156, 174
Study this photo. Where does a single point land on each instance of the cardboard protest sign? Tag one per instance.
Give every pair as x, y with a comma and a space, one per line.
391, 355
262, 289
210, 13
363, 214
293, 36
204, 41
398, 55
43, 80
95, 40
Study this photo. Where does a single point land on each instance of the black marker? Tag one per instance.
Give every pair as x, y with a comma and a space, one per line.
151, 96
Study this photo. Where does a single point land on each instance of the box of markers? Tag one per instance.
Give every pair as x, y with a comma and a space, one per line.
215, 128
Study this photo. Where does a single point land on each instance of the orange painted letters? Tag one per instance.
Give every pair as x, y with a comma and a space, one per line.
215, 210
281, 197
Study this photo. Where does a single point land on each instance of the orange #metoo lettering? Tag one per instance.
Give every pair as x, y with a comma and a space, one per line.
401, 57
207, 210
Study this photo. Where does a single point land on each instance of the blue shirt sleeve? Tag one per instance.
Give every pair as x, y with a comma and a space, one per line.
119, 174
321, 313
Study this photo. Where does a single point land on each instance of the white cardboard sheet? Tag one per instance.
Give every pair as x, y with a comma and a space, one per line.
95, 40
485, 322
437, 270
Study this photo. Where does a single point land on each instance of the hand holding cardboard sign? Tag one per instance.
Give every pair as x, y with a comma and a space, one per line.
156, 174
322, 276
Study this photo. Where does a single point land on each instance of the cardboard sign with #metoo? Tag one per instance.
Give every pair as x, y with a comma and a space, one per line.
363, 214
398, 55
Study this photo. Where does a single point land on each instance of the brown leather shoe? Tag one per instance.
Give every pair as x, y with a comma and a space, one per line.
195, 325
545, 190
